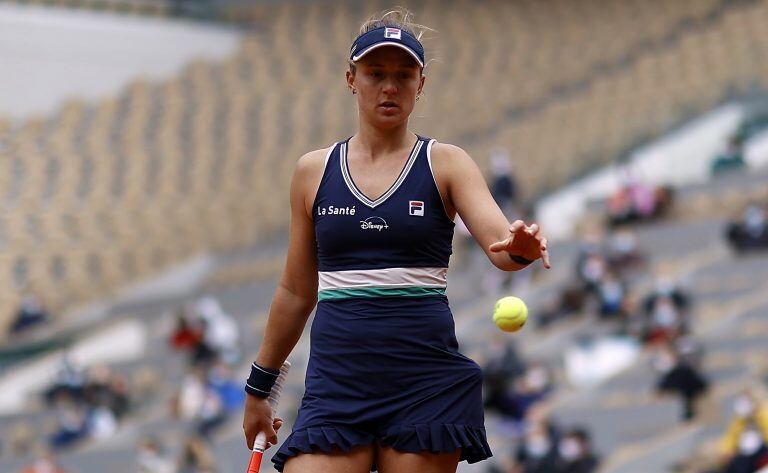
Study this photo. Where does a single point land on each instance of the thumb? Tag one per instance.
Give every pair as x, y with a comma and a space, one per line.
277, 423
499, 245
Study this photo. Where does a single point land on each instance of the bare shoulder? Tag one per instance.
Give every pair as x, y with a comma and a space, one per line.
311, 164
307, 176
449, 159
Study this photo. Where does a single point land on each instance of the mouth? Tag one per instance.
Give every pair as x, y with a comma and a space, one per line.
388, 105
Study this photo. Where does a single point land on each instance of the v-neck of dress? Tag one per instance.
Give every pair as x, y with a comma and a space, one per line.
395, 185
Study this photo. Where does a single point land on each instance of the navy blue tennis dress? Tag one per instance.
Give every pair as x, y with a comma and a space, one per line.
384, 365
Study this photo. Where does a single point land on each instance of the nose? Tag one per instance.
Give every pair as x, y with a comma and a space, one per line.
389, 87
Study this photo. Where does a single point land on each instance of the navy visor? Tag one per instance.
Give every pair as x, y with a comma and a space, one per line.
387, 36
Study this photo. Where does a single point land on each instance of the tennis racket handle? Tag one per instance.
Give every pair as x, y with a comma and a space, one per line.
259, 445
255, 463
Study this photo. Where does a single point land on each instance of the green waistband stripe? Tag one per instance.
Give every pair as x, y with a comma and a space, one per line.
334, 294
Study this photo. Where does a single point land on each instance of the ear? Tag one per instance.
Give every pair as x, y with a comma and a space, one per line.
350, 80
421, 84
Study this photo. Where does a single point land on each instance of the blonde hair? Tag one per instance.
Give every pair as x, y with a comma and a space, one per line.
398, 17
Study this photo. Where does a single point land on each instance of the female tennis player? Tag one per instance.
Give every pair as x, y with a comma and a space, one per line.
370, 238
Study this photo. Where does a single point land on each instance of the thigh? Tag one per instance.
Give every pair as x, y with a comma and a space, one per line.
389, 460
357, 460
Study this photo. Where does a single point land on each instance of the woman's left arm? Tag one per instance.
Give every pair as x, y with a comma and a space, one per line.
466, 192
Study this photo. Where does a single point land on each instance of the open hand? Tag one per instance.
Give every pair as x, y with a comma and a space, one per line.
524, 241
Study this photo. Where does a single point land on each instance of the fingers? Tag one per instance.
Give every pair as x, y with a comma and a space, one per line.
271, 435
516, 226
519, 226
250, 437
545, 253
270, 431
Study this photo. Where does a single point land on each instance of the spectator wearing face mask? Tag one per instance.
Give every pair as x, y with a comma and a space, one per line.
680, 375
574, 453
612, 296
751, 232
665, 322
745, 443
537, 453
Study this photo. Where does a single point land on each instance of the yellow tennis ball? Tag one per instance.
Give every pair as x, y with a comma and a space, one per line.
510, 314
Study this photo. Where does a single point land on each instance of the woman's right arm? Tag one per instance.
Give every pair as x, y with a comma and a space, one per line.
296, 294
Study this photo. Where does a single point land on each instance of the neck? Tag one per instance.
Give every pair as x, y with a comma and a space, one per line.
377, 141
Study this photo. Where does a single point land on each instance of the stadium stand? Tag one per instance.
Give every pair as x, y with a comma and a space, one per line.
103, 194
564, 101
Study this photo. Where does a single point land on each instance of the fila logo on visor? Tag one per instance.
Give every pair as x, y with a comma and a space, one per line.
416, 207
392, 33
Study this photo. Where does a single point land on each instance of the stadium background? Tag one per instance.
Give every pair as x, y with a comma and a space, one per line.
145, 150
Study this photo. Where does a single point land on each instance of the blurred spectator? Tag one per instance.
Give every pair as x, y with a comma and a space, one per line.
622, 252
537, 452
196, 457
611, 295
151, 458
665, 322
46, 463
680, 375
208, 397
87, 403
575, 453
731, 159
72, 425
221, 333
513, 395
637, 201
751, 232
212, 413
503, 360
666, 289
503, 183
187, 334
31, 313
571, 301
189, 398
102, 423
104, 388
69, 381
591, 267
745, 442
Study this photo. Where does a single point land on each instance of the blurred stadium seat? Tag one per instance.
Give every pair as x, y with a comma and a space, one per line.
103, 194
199, 154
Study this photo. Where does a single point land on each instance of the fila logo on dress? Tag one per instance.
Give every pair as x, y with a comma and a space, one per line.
392, 33
416, 207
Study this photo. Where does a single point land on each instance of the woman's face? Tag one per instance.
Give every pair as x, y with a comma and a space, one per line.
387, 81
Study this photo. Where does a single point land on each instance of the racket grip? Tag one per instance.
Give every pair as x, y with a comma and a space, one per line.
255, 463
259, 445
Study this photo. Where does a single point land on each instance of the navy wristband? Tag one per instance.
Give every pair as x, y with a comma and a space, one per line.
520, 260
261, 380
